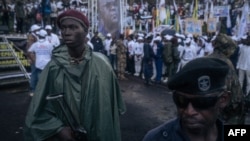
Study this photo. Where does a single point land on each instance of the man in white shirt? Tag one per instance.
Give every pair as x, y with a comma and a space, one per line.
138, 50
51, 37
189, 52
130, 55
243, 64
88, 38
107, 43
43, 52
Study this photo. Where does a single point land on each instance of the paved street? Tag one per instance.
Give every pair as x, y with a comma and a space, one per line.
147, 107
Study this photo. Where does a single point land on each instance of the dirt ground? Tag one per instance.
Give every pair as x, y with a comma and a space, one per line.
147, 107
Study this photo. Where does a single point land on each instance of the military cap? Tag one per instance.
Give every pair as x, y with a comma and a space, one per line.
200, 76
224, 42
73, 14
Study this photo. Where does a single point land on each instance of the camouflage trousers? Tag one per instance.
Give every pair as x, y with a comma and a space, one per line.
121, 65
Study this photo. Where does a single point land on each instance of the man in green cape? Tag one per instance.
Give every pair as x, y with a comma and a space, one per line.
88, 85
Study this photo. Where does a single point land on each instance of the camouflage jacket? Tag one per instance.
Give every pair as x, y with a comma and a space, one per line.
234, 112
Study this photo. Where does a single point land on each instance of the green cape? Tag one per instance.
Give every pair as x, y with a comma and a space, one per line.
91, 91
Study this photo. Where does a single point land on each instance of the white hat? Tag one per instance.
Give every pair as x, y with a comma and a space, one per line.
34, 27
235, 38
48, 27
108, 35
158, 38
180, 35
42, 33
140, 38
179, 40
177, 34
188, 40
190, 35
140, 35
205, 37
168, 37
244, 37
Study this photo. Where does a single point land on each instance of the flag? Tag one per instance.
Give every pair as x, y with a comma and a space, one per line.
195, 12
206, 12
157, 21
191, 7
178, 22
243, 20
167, 20
162, 3
175, 6
162, 11
229, 25
177, 26
211, 15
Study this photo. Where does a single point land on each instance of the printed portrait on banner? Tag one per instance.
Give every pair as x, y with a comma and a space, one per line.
211, 25
109, 17
193, 26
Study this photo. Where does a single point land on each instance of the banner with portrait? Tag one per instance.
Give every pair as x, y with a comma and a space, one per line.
193, 26
211, 25
109, 18
221, 11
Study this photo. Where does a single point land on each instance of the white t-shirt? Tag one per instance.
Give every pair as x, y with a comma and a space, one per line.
244, 58
43, 51
209, 48
189, 53
131, 47
139, 49
107, 43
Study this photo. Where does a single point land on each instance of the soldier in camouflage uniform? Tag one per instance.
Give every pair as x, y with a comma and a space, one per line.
234, 113
121, 58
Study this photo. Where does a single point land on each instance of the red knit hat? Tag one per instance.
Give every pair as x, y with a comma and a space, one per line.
73, 14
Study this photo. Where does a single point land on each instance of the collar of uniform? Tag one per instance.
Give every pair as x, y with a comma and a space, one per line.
86, 55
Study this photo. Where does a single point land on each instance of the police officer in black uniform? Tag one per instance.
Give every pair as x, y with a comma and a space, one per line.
199, 93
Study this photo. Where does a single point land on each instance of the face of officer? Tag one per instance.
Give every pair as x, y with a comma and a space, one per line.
198, 113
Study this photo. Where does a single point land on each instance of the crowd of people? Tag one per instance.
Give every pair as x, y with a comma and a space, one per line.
209, 75
19, 15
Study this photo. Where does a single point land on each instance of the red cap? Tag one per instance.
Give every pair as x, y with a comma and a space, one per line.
73, 14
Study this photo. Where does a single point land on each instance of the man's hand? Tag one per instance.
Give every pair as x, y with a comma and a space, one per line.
65, 134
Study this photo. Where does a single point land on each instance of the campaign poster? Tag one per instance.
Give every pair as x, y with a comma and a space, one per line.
109, 19
211, 25
221, 11
193, 26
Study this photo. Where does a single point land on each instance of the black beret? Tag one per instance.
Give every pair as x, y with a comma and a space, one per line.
200, 76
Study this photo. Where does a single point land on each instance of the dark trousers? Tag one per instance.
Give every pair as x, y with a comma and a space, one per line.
130, 64
158, 66
147, 70
19, 25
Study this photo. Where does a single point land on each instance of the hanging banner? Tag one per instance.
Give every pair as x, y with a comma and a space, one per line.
221, 11
193, 26
211, 25
109, 19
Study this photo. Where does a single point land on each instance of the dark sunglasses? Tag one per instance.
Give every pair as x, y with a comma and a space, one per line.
198, 102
